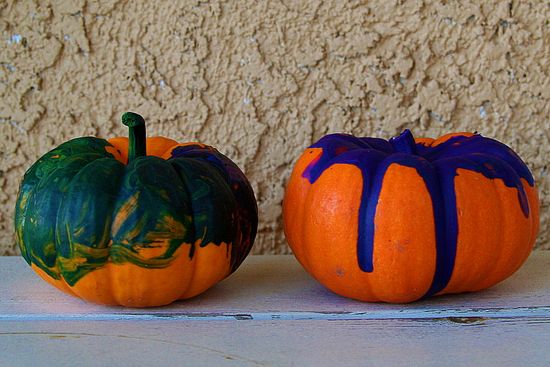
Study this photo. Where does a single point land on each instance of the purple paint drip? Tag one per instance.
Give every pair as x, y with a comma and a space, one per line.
437, 166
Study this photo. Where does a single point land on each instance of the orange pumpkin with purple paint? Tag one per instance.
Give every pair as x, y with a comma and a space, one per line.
400, 220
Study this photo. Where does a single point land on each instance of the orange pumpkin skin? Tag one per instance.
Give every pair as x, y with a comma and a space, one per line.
141, 252
409, 185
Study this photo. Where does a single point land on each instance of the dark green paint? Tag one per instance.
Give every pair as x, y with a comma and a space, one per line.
48, 163
161, 202
43, 202
212, 202
84, 218
79, 208
245, 217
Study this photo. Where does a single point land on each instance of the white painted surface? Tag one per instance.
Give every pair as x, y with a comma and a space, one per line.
502, 342
272, 313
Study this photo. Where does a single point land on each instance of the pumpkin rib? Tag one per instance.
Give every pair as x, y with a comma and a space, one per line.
447, 171
241, 192
419, 173
26, 190
127, 271
95, 294
55, 171
428, 181
503, 166
152, 179
308, 198
492, 267
325, 235
496, 269
189, 195
185, 289
190, 171
66, 244
194, 251
403, 240
444, 254
211, 199
108, 270
490, 167
477, 245
193, 254
155, 294
523, 229
66, 169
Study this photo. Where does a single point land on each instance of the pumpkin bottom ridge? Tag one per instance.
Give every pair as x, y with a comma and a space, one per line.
131, 285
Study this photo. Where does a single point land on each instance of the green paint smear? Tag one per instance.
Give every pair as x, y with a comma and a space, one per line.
79, 208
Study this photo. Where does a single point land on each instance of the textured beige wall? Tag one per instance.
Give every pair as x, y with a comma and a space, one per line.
262, 80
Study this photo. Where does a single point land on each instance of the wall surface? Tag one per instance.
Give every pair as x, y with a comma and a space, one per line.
261, 80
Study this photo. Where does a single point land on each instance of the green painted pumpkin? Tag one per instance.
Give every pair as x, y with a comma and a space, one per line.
135, 222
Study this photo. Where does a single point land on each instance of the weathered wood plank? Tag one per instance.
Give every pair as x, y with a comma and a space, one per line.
272, 313
276, 287
425, 342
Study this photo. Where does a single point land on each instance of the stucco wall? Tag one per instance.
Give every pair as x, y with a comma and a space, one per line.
262, 80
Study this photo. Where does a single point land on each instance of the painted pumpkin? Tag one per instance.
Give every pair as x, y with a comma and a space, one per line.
106, 222
399, 220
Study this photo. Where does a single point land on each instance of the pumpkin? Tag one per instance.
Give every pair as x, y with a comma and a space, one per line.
400, 220
133, 221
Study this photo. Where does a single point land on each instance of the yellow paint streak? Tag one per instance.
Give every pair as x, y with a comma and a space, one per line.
73, 263
155, 249
168, 227
126, 209
166, 230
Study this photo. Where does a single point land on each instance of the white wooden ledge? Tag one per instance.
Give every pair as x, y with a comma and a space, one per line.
270, 312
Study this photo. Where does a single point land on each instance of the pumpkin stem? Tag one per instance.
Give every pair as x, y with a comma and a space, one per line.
136, 124
404, 143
